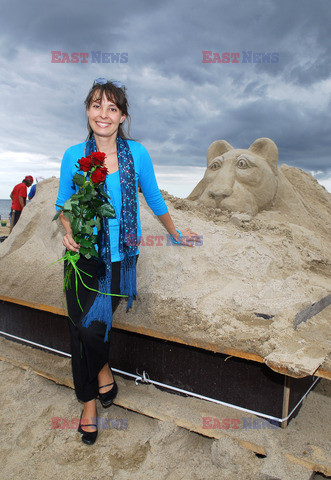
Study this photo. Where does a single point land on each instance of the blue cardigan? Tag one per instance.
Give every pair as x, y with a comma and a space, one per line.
144, 175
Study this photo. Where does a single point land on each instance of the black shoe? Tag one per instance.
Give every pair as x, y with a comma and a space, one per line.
88, 437
107, 398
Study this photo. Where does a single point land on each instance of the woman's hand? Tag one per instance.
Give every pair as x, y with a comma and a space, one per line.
189, 238
70, 243
68, 240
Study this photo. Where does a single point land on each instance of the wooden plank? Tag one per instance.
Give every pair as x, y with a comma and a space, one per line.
320, 372
311, 464
213, 347
286, 400
37, 306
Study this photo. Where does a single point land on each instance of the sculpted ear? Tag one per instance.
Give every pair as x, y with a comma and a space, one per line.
197, 191
217, 149
267, 149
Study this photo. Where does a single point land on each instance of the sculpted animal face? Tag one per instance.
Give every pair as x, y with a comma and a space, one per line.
239, 180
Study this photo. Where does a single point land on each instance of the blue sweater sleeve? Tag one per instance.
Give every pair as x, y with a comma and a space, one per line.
146, 178
68, 170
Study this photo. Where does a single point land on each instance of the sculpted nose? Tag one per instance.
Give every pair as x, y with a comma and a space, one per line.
221, 192
222, 185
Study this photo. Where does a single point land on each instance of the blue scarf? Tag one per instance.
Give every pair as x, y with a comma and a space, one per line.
101, 310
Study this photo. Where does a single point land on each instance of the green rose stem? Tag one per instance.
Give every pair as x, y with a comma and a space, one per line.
72, 258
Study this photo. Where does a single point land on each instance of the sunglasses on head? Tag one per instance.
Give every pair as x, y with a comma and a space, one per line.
103, 81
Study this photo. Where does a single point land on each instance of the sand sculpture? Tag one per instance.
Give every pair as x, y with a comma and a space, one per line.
242, 288
239, 180
249, 181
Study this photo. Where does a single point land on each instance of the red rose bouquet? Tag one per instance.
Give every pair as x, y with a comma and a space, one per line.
85, 210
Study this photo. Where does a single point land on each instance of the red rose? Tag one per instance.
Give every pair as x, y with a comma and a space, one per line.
98, 158
85, 163
99, 175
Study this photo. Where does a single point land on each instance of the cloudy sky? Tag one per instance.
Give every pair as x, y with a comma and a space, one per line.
179, 104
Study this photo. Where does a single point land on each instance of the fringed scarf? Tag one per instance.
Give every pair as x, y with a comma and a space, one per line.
101, 310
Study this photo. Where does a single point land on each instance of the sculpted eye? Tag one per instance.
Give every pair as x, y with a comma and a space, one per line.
215, 165
242, 163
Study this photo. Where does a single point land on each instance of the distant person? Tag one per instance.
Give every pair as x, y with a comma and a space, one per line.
32, 191
18, 196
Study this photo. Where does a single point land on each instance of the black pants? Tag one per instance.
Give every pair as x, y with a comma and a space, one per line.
88, 349
14, 217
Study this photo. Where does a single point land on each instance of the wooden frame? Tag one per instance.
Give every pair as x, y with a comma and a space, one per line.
222, 374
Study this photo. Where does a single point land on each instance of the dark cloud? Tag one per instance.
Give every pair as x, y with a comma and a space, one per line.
179, 104
312, 70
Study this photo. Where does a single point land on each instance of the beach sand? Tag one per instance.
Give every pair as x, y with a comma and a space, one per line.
136, 446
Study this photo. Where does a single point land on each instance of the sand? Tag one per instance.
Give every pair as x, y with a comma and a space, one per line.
136, 446
241, 288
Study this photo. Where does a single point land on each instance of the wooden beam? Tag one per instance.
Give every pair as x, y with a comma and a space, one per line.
286, 400
311, 464
37, 306
320, 372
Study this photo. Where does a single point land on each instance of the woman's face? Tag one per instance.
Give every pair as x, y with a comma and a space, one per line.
104, 116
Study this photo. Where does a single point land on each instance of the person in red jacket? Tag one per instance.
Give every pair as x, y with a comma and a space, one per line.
18, 196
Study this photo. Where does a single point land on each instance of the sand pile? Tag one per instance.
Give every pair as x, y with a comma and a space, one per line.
242, 288
33, 245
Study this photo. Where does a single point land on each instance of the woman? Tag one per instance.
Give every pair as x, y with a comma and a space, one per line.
127, 163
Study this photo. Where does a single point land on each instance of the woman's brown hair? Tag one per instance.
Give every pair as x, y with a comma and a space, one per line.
114, 94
